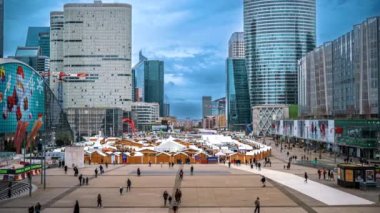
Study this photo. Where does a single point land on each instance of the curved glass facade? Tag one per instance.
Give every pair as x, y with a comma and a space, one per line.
277, 33
25, 98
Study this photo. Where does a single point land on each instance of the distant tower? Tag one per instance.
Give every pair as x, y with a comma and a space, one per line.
206, 106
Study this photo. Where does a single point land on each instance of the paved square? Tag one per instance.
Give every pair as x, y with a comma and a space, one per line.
212, 188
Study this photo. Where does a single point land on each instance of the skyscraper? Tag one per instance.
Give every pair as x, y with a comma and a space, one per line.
1, 28
237, 97
39, 37
236, 45
138, 79
148, 82
277, 33
206, 106
91, 61
91, 44
154, 83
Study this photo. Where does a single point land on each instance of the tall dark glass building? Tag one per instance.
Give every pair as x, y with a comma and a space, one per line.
238, 108
148, 82
277, 33
154, 83
39, 37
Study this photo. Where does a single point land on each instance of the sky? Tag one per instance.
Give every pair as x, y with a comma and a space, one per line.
191, 36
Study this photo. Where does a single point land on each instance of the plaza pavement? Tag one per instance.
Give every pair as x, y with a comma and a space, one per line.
212, 189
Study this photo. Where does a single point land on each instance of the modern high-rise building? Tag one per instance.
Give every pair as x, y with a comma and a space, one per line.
138, 79
166, 110
148, 82
277, 33
154, 83
91, 55
95, 54
39, 37
341, 78
237, 97
206, 106
238, 107
34, 58
236, 45
1, 28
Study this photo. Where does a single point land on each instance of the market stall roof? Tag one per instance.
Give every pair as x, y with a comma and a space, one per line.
220, 154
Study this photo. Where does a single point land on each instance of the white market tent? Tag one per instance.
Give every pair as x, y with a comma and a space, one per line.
169, 145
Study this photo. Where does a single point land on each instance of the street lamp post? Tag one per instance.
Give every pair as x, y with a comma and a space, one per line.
44, 165
41, 160
30, 174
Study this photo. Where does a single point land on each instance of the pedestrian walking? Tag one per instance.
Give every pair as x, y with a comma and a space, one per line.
37, 207
257, 205
99, 201
191, 170
170, 200
31, 209
80, 179
251, 165
319, 174
65, 169
263, 181
96, 172
229, 164
324, 174
9, 192
306, 177
83, 181
181, 174
150, 164
76, 207
259, 166
165, 195
106, 165
129, 184
138, 172
175, 208
121, 190
86, 180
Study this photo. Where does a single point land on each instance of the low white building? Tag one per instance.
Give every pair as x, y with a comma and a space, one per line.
145, 114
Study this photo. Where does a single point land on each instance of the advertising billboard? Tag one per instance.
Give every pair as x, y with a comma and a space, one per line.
22, 97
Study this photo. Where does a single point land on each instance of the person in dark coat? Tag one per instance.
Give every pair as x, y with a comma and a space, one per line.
76, 207
257, 205
96, 172
31, 209
170, 199
9, 192
86, 180
263, 181
65, 169
37, 207
306, 176
138, 172
99, 201
165, 195
80, 179
121, 190
191, 169
129, 183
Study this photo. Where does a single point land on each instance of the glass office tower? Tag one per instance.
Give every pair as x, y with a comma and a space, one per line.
154, 83
238, 108
277, 33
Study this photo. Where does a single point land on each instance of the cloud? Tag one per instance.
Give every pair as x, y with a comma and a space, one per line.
174, 80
